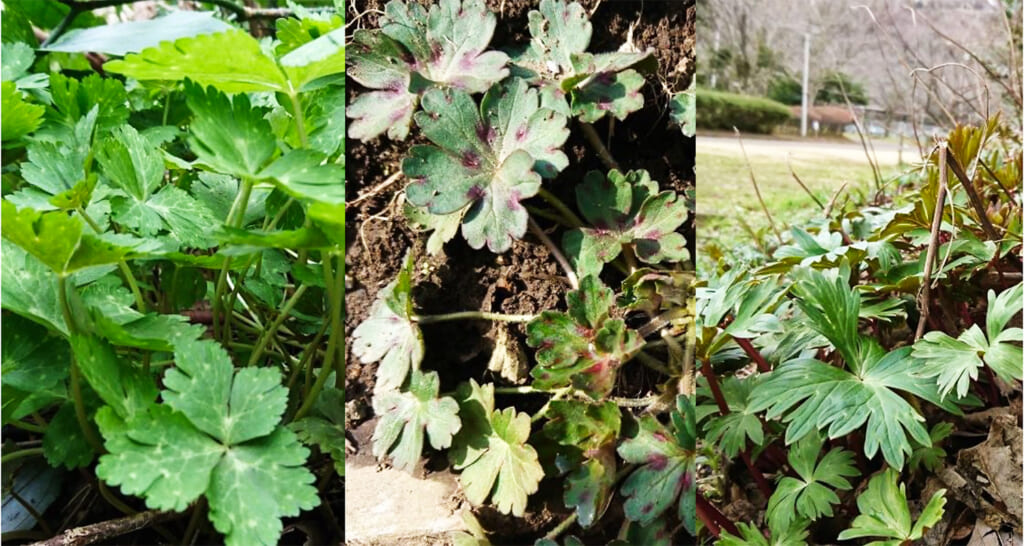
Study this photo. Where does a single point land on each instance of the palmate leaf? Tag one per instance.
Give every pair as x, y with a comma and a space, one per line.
56, 170
731, 432
405, 416
34, 365
228, 134
74, 99
884, 513
20, 117
812, 395
327, 428
668, 465
810, 495
136, 167
413, 51
492, 453
793, 535
956, 361
557, 61
587, 433
57, 239
29, 288
389, 334
221, 439
583, 347
625, 209
489, 159
239, 65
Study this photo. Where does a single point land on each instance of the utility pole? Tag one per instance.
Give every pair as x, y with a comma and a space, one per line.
714, 72
803, 94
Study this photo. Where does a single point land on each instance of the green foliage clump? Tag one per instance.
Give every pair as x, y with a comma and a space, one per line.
720, 110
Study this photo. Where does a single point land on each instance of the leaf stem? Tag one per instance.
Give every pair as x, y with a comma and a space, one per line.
472, 315
635, 402
753, 353
595, 140
76, 380
271, 330
121, 263
559, 257
561, 527
300, 118
554, 201
236, 217
336, 336
21, 454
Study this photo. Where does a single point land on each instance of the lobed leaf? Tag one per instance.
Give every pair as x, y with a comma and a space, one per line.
405, 415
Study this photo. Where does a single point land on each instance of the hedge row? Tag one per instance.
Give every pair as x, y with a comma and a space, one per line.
719, 110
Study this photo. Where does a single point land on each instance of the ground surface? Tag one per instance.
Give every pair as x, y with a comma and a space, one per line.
525, 279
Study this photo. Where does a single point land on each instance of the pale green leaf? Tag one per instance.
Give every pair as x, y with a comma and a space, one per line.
406, 416
135, 36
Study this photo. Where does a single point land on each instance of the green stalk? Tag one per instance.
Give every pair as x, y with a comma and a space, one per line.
21, 454
286, 309
472, 315
236, 217
554, 201
337, 334
76, 380
121, 264
300, 119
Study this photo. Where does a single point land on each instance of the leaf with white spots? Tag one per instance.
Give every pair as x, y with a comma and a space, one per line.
232, 406
218, 434
29, 288
626, 209
487, 160
413, 51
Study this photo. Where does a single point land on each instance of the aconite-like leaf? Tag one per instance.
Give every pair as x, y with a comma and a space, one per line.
407, 416
489, 160
413, 51
583, 348
811, 495
884, 513
956, 361
625, 209
492, 453
667, 467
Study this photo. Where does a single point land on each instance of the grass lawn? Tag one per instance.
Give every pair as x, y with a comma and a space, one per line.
726, 198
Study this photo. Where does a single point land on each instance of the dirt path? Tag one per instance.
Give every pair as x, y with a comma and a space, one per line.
887, 152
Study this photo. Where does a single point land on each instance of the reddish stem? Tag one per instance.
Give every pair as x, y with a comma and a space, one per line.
709, 514
759, 478
716, 390
762, 364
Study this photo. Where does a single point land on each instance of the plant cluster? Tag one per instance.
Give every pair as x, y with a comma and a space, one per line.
842, 362
482, 161
172, 263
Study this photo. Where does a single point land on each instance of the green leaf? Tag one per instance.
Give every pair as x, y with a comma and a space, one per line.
884, 512
443, 226
135, 36
17, 60
625, 209
56, 239
64, 443
793, 535
404, 415
294, 32
58, 169
239, 66
489, 162
616, 94
492, 453
583, 347
327, 429
228, 134
302, 174
252, 477
124, 387
131, 162
321, 57
29, 288
730, 432
20, 117
956, 361
588, 431
807, 496
74, 99
684, 111
414, 50
389, 334
325, 119
35, 364
931, 455
834, 309
231, 405
813, 395
667, 466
